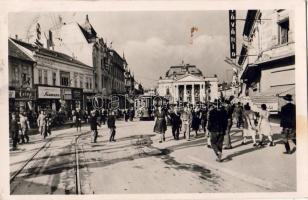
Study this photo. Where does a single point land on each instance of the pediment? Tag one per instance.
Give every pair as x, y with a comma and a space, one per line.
190, 78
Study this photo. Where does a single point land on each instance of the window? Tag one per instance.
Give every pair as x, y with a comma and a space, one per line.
81, 81
45, 77
65, 78
90, 82
75, 79
283, 32
87, 83
40, 74
16, 75
54, 78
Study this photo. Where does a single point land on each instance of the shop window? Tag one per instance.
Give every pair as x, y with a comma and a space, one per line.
54, 78
64, 78
283, 32
40, 75
45, 77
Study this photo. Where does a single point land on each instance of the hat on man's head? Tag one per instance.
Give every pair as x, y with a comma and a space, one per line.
288, 97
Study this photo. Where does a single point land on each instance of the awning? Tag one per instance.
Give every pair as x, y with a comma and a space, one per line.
271, 96
251, 72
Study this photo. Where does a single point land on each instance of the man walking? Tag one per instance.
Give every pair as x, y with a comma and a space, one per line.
186, 120
217, 125
288, 123
176, 123
41, 122
227, 138
24, 126
111, 126
14, 129
93, 125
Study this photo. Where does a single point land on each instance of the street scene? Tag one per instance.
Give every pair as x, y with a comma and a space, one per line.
100, 105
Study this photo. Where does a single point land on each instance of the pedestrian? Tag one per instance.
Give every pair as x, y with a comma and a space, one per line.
126, 115
288, 123
24, 126
160, 126
186, 121
93, 126
111, 125
48, 122
204, 112
175, 119
14, 130
238, 114
41, 122
249, 129
208, 135
104, 116
78, 119
264, 127
217, 125
227, 140
196, 120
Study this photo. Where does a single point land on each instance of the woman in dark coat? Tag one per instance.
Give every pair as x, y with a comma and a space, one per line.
160, 126
195, 123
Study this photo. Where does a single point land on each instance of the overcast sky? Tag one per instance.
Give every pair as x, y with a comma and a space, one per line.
153, 41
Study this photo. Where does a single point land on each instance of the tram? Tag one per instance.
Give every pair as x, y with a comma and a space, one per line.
145, 105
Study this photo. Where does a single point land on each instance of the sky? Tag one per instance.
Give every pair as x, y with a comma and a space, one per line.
152, 41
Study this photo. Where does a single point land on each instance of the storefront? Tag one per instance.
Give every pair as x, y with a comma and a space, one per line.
21, 100
49, 98
77, 96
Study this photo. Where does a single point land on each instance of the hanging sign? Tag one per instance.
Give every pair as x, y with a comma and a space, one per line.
232, 26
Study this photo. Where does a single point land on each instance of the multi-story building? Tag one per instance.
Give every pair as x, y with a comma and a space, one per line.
59, 80
22, 93
267, 57
81, 41
186, 84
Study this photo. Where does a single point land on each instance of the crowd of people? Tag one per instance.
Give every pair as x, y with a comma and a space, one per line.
216, 120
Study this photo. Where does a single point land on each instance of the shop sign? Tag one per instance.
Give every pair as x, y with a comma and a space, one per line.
11, 94
232, 29
49, 93
77, 94
271, 107
24, 94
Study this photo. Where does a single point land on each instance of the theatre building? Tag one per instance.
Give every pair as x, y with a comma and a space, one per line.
267, 57
186, 84
59, 80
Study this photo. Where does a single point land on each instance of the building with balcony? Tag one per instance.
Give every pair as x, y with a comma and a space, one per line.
186, 84
267, 57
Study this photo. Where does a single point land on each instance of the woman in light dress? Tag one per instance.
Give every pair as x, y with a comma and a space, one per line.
264, 127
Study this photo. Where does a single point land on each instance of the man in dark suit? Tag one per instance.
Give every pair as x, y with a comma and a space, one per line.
111, 125
93, 125
176, 123
288, 122
217, 125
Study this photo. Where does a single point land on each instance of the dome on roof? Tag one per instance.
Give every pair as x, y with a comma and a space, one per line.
179, 71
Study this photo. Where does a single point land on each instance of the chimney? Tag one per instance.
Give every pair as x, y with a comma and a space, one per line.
16, 37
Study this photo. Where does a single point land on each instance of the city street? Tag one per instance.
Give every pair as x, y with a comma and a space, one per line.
137, 163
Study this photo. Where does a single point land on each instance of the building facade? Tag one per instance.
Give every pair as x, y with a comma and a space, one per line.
22, 93
186, 84
60, 81
267, 57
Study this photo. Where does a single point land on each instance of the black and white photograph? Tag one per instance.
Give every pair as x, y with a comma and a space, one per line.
154, 101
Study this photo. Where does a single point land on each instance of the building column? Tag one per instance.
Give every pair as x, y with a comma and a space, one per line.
185, 95
201, 87
193, 94
176, 93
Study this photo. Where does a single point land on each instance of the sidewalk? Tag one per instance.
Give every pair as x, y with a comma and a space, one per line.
265, 167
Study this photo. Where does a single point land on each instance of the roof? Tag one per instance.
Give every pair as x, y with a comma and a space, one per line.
17, 52
181, 70
49, 53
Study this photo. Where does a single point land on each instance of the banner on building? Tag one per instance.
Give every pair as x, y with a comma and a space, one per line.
49, 93
232, 26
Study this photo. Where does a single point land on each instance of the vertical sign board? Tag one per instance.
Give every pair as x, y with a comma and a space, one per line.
232, 25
